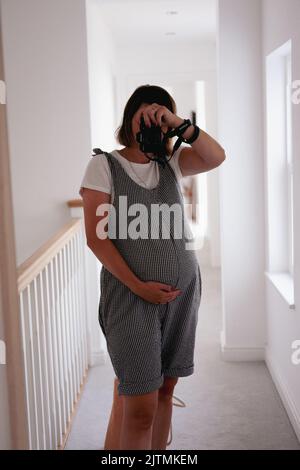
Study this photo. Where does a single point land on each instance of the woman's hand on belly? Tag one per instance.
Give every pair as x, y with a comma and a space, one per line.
156, 292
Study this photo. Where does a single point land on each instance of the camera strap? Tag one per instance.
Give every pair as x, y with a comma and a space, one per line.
178, 131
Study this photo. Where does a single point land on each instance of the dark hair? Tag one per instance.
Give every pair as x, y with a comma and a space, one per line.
144, 94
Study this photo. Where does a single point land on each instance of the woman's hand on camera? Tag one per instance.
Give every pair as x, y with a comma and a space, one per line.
156, 292
159, 115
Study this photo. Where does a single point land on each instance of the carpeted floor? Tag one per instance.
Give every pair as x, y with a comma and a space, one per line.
228, 405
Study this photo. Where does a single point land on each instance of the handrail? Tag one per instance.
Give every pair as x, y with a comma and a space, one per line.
54, 334
31, 267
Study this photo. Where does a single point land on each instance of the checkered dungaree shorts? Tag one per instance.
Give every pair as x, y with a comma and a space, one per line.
147, 341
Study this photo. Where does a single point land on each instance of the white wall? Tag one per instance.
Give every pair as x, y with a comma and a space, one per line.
45, 52
102, 73
102, 77
213, 177
241, 179
281, 20
178, 68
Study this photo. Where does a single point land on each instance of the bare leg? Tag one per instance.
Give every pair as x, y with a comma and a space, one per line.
112, 438
162, 422
138, 416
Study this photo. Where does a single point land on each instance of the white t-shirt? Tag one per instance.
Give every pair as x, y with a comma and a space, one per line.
98, 175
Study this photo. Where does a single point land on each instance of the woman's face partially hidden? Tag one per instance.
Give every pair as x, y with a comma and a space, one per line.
135, 123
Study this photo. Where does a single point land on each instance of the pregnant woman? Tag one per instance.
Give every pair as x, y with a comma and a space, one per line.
151, 283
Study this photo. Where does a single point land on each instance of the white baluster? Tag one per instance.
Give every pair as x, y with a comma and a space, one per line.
33, 369
26, 371
75, 307
68, 330
84, 302
64, 339
79, 307
39, 368
61, 357
70, 303
50, 340
57, 364
44, 349
78, 310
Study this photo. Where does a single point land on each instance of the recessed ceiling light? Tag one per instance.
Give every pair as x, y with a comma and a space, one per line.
171, 12
170, 33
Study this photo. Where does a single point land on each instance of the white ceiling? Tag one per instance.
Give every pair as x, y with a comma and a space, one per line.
146, 21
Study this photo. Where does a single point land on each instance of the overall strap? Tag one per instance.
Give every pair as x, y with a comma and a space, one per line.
98, 151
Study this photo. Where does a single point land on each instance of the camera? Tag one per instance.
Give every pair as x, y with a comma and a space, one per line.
150, 139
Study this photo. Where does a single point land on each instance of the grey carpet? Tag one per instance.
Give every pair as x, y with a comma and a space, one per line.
228, 405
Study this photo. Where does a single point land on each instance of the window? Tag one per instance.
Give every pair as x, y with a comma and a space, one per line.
289, 156
280, 171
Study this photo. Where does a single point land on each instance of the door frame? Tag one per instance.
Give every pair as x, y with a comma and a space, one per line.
9, 299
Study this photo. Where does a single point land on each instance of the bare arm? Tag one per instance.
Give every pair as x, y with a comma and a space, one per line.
206, 153
110, 257
105, 250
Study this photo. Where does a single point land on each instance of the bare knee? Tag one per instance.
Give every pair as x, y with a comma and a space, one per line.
167, 388
117, 399
140, 410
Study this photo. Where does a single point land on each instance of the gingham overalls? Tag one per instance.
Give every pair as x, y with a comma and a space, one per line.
148, 341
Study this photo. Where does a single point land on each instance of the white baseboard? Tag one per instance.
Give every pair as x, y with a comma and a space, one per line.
288, 402
239, 353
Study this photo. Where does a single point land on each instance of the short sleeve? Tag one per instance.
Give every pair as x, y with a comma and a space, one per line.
97, 175
174, 162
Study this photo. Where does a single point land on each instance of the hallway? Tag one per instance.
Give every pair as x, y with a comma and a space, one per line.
230, 69
229, 405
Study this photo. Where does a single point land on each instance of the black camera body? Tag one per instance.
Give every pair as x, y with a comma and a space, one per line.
150, 139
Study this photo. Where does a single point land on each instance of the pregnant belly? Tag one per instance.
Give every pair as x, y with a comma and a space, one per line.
162, 260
